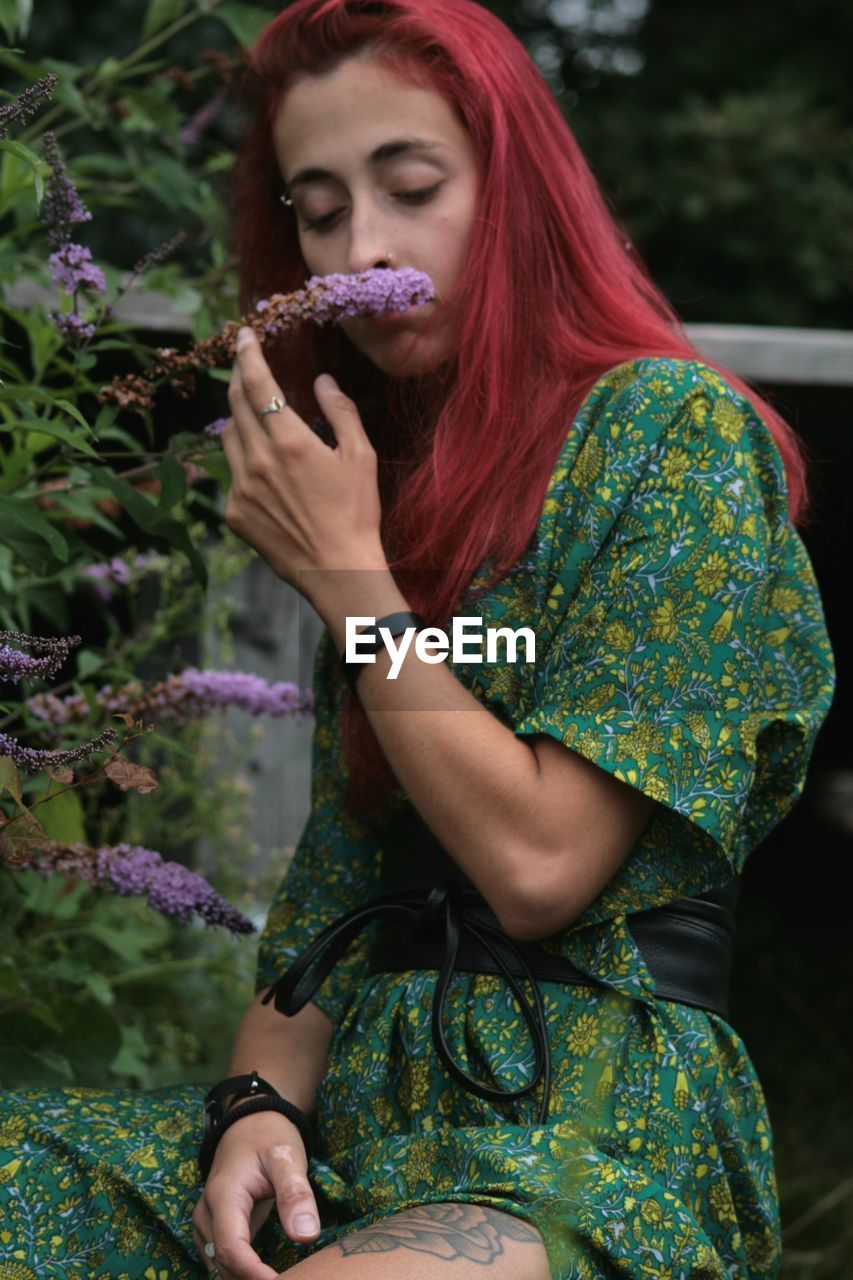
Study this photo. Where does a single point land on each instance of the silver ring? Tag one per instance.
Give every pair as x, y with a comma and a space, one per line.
276, 405
210, 1249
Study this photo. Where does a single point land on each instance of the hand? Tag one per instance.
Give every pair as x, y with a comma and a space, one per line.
300, 504
259, 1162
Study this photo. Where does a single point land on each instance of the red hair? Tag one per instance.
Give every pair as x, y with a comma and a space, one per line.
551, 297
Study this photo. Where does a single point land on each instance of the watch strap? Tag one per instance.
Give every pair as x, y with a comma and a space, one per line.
395, 624
213, 1133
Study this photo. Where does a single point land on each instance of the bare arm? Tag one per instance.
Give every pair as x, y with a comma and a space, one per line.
291, 1053
538, 829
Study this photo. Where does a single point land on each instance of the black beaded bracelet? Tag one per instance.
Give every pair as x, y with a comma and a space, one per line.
395, 624
216, 1123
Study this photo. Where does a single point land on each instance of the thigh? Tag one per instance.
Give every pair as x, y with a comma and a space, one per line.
440, 1241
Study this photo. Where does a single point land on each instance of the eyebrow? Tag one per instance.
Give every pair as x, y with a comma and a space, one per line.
387, 151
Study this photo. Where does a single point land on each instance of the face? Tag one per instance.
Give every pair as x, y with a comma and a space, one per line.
410, 206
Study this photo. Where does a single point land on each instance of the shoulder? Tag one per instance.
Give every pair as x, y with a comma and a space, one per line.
641, 409
661, 389
653, 437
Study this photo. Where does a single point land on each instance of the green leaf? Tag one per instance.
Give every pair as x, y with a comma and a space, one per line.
10, 779
216, 466
82, 507
88, 661
173, 483
21, 1067
58, 897
134, 1056
74, 412
100, 989
15, 17
73, 438
17, 516
160, 14
126, 944
29, 158
244, 21
152, 519
62, 818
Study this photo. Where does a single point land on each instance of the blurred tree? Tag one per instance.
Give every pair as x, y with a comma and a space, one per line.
724, 140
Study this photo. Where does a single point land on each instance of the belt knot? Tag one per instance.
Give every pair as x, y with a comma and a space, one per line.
441, 910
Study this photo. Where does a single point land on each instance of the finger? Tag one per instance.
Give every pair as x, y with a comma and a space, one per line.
297, 1208
342, 413
246, 422
232, 447
202, 1229
235, 1256
258, 386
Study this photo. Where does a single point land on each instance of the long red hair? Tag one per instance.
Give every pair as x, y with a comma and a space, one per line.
551, 297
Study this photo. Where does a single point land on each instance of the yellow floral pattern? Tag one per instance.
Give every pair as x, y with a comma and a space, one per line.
681, 645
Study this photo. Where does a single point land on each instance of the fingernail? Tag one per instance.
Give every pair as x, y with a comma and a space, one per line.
327, 382
244, 335
305, 1223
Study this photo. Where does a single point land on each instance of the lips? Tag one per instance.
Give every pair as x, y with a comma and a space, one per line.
397, 317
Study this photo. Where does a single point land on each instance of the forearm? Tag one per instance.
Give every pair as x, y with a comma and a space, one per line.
291, 1053
475, 784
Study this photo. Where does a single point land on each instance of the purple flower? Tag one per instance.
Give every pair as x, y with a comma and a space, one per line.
54, 710
214, 429
15, 664
62, 206
118, 571
34, 759
26, 104
130, 870
332, 297
73, 269
190, 133
323, 299
248, 692
72, 326
193, 693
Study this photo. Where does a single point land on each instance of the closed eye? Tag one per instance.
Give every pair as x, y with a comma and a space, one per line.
422, 196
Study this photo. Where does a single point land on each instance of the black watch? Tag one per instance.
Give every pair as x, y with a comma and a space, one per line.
250, 1086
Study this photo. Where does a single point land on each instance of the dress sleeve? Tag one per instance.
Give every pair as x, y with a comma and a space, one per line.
682, 644
335, 865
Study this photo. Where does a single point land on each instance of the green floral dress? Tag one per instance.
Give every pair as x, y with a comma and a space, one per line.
682, 646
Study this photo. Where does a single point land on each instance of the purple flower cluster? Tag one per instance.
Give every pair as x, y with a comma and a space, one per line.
130, 870
47, 656
73, 269
190, 133
192, 693
72, 709
25, 105
250, 693
35, 759
336, 296
72, 326
120, 572
71, 264
214, 429
62, 206
323, 299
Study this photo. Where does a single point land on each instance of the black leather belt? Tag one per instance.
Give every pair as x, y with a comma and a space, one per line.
443, 922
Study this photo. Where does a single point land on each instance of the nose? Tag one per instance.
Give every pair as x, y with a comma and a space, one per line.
370, 240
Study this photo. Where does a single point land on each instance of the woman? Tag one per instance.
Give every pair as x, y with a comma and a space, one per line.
540, 447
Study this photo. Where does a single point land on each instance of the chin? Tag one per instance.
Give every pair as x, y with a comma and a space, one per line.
405, 355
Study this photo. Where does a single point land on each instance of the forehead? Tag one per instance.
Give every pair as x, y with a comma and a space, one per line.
343, 115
